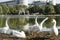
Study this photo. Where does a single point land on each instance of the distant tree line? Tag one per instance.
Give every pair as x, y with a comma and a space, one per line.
45, 9
22, 9
12, 9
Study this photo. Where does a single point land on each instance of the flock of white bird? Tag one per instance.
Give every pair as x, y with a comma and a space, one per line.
15, 33
36, 27
41, 28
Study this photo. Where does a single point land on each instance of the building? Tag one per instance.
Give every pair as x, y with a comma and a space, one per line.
25, 2
43, 2
39, 3
14, 2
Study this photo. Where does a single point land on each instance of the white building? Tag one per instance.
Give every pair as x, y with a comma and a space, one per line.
23, 2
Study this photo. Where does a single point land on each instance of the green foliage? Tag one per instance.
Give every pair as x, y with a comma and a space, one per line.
17, 23
45, 9
57, 9
49, 9
42, 9
22, 21
30, 9
34, 9
1, 10
14, 10
20, 9
31, 21
5, 9
2, 22
49, 22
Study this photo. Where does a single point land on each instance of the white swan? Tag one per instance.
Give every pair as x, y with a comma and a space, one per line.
4, 29
35, 27
36, 23
16, 33
41, 24
55, 29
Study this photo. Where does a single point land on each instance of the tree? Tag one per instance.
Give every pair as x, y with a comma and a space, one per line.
1, 11
30, 9
5, 9
57, 9
20, 8
34, 9
13, 10
42, 9
49, 9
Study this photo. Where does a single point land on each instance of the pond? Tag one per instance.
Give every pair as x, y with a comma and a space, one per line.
17, 22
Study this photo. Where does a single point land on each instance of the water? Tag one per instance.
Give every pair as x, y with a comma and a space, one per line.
17, 21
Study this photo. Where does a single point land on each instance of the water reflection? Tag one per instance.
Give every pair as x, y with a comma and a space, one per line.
17, 22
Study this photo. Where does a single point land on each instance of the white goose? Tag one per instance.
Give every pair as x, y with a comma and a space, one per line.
55, 29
